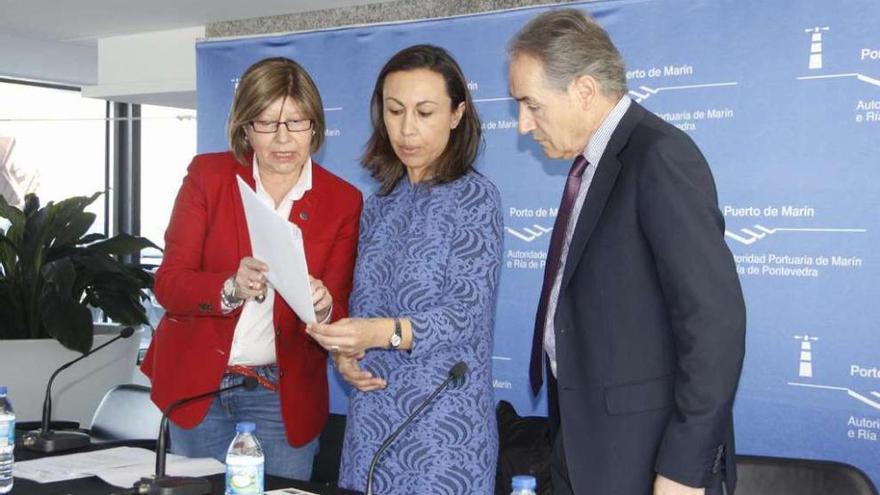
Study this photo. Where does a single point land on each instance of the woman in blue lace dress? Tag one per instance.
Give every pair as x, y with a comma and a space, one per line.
424, 291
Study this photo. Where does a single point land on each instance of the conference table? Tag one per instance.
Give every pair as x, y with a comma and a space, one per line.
95, 486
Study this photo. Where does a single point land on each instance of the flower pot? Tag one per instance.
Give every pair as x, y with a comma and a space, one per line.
26, 365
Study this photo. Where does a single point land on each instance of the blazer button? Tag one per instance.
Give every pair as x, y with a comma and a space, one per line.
205, 308
280, 373
277, 332
304, 215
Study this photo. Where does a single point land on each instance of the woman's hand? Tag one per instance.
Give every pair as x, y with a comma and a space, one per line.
351, 371
321, 299
250, 279
350, 336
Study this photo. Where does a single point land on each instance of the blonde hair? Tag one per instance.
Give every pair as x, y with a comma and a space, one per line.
261, 85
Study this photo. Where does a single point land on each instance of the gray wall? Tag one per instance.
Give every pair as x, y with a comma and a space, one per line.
400, 10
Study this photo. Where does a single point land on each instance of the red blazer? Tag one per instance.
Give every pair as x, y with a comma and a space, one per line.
205, 241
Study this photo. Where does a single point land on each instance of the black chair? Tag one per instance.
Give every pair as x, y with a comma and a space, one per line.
781, 476
325, 470
126, 413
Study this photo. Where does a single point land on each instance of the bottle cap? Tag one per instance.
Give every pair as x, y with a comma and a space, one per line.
523, 482
245, 427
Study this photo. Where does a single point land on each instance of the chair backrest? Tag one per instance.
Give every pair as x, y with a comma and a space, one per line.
326, 467
126, 413
758, 475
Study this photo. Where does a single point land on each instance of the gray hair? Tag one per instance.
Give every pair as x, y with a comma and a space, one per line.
570, 44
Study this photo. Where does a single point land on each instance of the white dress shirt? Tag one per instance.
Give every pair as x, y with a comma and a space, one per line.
254, 341
593, 153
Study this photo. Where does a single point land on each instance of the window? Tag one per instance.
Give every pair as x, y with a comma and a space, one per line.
52, 143
168, 143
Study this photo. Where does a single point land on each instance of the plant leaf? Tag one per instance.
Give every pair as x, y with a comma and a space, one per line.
69, 322
11, 213
92, 238
120, 307
62, 314
31, 204
122, 244
71, 233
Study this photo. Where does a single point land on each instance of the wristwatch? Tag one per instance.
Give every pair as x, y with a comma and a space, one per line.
397, 336
227, 296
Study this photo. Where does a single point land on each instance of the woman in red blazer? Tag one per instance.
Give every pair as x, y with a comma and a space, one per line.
222, 320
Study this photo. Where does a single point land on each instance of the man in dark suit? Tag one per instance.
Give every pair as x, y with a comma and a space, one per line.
641, 323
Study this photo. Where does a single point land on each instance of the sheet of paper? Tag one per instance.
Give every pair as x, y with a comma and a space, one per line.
175, 465
289, 491
278, 243
73, 466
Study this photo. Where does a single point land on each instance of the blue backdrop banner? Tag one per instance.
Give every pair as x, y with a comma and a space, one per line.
784, 100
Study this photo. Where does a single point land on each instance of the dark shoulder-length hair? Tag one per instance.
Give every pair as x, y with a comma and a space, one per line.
464, 142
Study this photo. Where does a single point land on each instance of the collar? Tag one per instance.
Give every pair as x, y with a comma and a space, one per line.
303, 184
599, 141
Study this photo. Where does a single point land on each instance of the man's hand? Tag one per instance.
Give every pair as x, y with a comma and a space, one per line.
665, 486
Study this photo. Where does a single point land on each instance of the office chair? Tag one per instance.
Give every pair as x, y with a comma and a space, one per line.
126, 413
758, 475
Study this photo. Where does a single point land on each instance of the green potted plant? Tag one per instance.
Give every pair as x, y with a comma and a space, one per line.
52, 272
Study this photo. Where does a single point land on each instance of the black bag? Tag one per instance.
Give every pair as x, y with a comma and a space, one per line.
524, 447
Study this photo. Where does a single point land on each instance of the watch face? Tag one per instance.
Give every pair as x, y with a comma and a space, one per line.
395, 340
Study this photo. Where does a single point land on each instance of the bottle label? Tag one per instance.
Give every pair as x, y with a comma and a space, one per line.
7, 433
244, 479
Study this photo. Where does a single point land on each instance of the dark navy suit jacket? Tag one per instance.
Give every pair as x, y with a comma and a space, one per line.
650, 323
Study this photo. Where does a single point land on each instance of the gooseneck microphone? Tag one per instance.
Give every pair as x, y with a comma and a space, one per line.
46, 440
456, 374
159, 484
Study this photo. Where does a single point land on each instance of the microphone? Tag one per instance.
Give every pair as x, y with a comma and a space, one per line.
47, 440
456, 374
159, 484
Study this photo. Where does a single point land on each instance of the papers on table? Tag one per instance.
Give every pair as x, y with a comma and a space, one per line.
72, 466
175, 465
278, 243
289, 491
120, 466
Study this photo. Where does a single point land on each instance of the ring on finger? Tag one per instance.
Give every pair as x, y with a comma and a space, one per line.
334, 349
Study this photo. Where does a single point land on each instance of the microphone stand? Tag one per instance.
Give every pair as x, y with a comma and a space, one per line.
47, 440
160, 484
456, 373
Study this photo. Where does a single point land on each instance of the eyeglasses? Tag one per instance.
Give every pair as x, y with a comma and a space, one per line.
271, 126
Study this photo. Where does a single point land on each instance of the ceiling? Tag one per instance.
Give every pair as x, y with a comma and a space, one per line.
82, 22
56, 41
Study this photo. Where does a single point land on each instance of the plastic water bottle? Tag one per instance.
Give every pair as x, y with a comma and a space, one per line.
244, 462
7, 441
524, 485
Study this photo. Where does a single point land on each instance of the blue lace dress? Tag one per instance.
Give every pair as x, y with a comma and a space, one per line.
431, 253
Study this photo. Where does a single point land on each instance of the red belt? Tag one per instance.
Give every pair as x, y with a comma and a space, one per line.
246, 371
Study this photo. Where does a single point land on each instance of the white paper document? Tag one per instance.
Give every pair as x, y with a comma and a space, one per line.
278, 243
120, 466
289, 491
73, 466
175, 465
